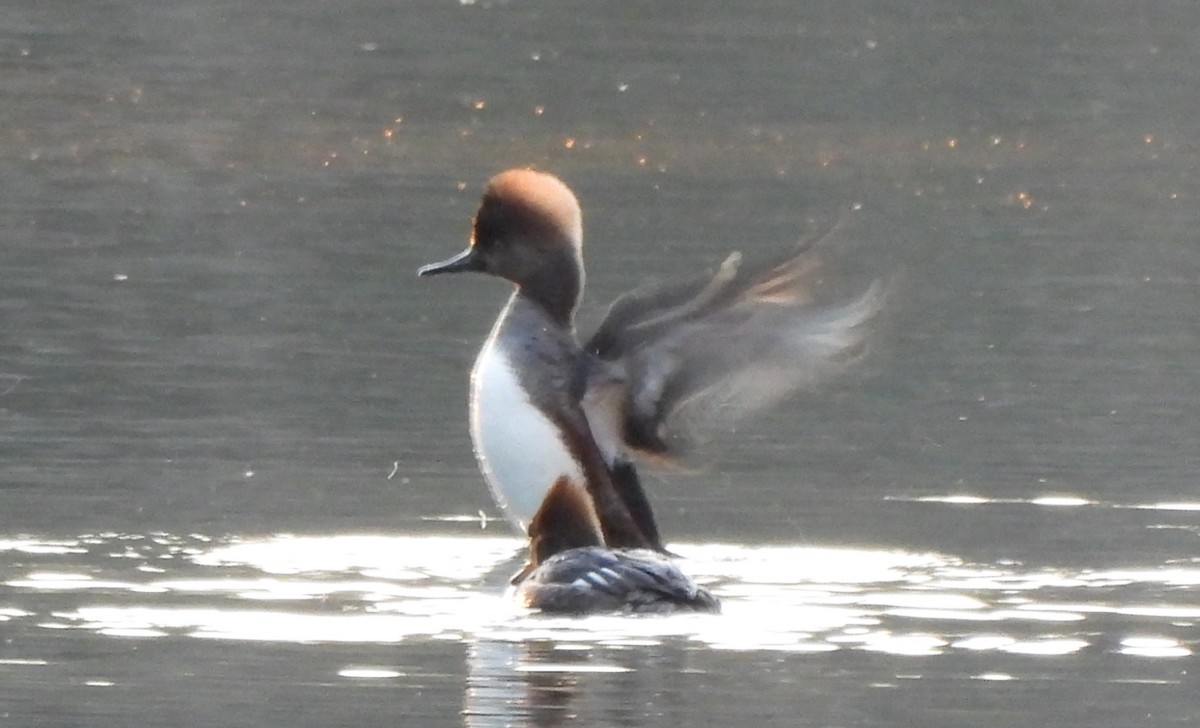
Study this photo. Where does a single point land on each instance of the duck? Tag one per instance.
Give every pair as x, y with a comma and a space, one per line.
572, 572
547, 409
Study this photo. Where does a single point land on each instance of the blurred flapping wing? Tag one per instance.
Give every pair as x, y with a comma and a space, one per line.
697, 356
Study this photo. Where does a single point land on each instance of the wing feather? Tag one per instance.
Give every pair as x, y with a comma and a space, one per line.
698, 355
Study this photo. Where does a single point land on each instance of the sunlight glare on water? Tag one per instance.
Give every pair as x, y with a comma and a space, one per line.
384, 589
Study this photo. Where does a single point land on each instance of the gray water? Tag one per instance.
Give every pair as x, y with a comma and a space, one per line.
236, 486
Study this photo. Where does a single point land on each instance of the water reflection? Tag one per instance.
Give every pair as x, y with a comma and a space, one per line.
387, 589
534, 683
410, 592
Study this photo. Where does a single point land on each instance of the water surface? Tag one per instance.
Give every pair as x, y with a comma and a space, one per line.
350, 618
236, 486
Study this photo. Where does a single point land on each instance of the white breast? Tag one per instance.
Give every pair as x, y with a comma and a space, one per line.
520, 451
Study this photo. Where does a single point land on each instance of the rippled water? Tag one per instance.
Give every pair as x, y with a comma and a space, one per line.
382, 597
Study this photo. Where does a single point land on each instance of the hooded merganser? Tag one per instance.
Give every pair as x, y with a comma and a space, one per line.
712, 348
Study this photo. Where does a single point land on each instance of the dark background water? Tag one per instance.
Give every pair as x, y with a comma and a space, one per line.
212, 213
